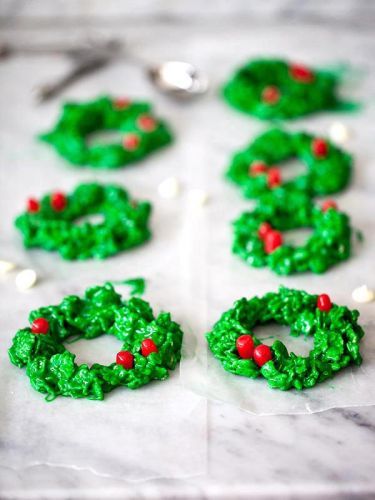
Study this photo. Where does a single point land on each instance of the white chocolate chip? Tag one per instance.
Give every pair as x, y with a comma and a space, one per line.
363, 294
169, 188
26, 279
338, 133
197, 197
6, 266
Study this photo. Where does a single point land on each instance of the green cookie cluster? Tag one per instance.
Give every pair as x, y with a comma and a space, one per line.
329, 243
142, 133
336, 337
324, 175
51, 368
124, 224
300, 90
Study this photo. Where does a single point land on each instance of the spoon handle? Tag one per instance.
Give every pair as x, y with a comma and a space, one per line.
49, 90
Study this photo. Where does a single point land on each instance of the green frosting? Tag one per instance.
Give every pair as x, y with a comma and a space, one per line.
78, 121
329, 243
51, 367
301, 90
336, 337
324, 175
125, 223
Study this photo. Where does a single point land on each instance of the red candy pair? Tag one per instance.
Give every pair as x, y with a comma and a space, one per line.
246, 350
273, 174
58, 203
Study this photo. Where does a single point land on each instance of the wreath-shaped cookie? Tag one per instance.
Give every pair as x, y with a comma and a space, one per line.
53, 223
259, 238
258, 168
141, 132
334, 329
151, 345
277, 89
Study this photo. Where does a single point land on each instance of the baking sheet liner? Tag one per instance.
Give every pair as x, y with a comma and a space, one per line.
222, 278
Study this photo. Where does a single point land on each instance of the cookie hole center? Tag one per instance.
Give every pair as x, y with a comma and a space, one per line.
101, 350
291, 169
269, 333
105, 138
94, 219
297, 237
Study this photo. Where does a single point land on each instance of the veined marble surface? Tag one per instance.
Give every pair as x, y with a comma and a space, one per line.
326, 455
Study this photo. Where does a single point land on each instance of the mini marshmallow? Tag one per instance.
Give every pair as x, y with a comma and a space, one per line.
169, 188
363, 294
26, 279
6, 266
338, 133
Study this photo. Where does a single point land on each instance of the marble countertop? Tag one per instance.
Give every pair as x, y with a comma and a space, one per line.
328, 454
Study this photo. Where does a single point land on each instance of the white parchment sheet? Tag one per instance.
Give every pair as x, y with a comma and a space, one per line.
158, 431
133, 435
225, 278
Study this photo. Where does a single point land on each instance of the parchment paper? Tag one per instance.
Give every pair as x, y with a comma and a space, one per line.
158, 431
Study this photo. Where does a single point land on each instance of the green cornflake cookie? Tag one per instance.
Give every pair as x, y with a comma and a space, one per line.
258, 237
53, 223
141, 132
151, 345
255, 169
276, 89
334, 328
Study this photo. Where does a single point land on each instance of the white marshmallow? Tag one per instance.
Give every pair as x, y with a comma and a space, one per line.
6, 266
169, 188
26, 279
338, 133
363, 294
197, 197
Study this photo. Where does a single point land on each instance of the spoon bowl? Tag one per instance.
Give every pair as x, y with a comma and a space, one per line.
178, 79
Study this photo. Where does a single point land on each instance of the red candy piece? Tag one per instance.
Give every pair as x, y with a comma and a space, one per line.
131, 142
319, 148
125, 359
245, 346
329, 204
274, 178
58, 201
271, 94
257, 167
121, 103
33, 205
301, 73
148, 346
324, 302
264, 229
262, 354
40, 325
146, 123
272, 240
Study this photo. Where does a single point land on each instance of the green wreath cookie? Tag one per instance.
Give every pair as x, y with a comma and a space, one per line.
258, 168
53, 223
334, 328
141, 132
258, 237
276, 89
151, 345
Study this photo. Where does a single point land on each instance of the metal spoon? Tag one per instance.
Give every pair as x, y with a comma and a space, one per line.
178, 79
